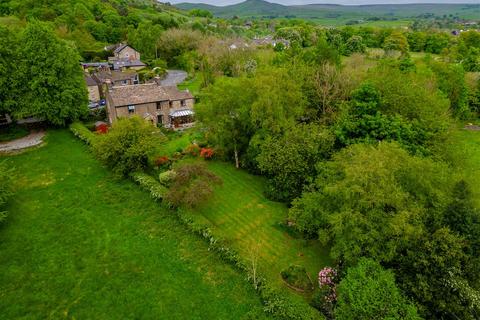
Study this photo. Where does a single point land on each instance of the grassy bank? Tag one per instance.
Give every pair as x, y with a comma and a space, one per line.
78, 244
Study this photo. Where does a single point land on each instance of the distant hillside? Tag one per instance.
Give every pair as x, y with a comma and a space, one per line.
260, 8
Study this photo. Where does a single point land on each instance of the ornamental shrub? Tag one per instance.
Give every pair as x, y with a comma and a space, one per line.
166, 178
297, 277
161, 161
193, 184
157, 191
192, 150
206, 153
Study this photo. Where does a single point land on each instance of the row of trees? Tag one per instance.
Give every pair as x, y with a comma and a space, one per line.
462, 48
92, 23
40, 75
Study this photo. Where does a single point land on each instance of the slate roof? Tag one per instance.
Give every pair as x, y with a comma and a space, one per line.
89, 80
103, 76
94, 64
145, 93
125, 63
120, 48
175, 94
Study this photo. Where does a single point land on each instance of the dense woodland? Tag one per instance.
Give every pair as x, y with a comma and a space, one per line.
351, 126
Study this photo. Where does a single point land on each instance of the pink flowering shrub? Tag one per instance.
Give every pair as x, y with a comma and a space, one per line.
325, 298
326, 277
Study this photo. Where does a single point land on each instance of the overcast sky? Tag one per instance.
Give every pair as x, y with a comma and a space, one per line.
347, 2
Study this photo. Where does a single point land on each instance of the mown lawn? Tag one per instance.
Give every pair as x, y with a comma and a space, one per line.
243, 215
78, 244
193, 84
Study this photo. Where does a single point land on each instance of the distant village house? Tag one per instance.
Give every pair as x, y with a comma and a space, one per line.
125, 57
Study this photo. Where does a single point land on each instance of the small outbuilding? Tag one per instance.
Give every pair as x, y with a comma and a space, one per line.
101, 127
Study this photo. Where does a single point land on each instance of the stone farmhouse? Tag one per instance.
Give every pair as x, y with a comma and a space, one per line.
163, 106
126, 57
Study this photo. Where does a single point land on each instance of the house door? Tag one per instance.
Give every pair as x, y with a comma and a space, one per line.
160, 119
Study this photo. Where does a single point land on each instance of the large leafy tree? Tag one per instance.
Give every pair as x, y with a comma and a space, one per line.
396, 42
380, 191
451, 81
382, 203
225, 111
362, 121
289, 159
279, 100
8, 70
145, 39
50, 79
369, 292
127, 146
415, 97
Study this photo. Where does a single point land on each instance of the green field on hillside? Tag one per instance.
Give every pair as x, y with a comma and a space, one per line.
336, 13
78, 244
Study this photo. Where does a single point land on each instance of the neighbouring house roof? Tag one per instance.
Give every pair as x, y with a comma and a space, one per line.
145, 93
122, 46
89, 80
176, 94
94, 64
125, 63
113, 76
181, 113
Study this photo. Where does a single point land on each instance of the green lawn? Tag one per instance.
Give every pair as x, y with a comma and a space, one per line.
177, 142
241, 214
193, 85
78, 244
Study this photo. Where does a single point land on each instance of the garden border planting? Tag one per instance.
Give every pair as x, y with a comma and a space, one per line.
276, 303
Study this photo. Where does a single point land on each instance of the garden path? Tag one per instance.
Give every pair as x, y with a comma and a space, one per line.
33, 139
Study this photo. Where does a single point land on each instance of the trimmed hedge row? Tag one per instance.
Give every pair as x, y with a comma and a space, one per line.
277, 303
147, 182
82, 132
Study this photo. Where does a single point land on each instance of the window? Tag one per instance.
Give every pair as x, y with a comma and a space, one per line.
184, 103
131, 109
159, 106
171, 104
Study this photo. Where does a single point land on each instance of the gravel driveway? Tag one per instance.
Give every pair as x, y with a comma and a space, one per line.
33, 139
174, 77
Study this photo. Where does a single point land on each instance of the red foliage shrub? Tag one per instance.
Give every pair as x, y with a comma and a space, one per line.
206, 153
160, 161
102, 129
